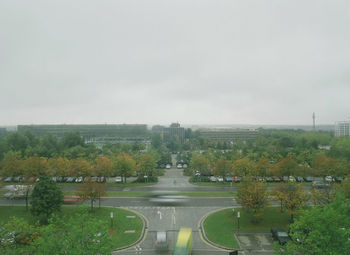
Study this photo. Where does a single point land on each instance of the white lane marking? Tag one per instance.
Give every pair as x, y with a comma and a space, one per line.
160, 214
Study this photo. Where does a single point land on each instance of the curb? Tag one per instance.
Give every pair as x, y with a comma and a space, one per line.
206, 239
143, 232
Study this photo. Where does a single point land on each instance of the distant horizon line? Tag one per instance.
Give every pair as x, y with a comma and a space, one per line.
182, 124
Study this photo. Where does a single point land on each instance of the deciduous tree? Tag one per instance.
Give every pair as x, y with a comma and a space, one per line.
47, 198
320, 230
92, 191
253, 195
125, 165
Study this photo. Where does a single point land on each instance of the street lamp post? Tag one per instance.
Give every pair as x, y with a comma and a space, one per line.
238, 216
112, 219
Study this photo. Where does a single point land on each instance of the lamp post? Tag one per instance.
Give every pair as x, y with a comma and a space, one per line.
238, 216
112, 219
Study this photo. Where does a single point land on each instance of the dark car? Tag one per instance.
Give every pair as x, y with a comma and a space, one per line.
280, 235
338, 179
276, 179
309, 179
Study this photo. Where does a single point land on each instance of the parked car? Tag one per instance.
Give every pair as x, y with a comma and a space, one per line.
31, 179
280, 235
285, 178
269, 179
228, 179
309, 179
300, 179
179, 166
276, 179
260, 178
236, 179
220, 179
291, 179
338, 179
8, 179
168, 166
118, 179
101, 179
79, 179
212, 179
70, 179
328, 179
185, 166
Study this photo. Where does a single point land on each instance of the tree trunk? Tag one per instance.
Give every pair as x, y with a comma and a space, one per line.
92, 204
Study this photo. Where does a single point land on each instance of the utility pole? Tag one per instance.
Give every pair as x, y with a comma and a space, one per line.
313, 118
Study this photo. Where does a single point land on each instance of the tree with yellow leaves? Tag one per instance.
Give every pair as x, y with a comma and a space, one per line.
253, 196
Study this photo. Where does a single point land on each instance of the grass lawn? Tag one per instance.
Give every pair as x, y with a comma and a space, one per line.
121, 222
219, 226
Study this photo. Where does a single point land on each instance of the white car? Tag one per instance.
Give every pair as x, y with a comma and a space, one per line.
168, 166
212, 179
328, 178
179, 166
220, 179
118, 179
291, 179
79, 180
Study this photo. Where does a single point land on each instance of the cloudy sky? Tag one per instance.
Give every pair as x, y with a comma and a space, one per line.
159, 61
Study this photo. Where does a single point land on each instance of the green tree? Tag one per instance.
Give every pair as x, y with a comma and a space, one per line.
71, 139
287, 166
47, 198
12, 164
244, 167
320, 230
222, 167
125, 165
146, 164
200, 163
77, 234
92, 191
292, 197
16, 237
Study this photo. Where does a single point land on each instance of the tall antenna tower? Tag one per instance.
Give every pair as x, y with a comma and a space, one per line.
313, 118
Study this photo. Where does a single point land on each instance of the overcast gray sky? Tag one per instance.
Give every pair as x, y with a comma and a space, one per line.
196, 62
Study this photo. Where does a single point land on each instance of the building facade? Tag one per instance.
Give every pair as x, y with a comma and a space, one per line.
95, 134
342, 129
231, 135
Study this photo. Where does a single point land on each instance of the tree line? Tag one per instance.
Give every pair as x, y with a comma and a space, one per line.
122, 164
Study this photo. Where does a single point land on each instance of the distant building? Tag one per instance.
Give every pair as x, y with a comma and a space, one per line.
173, 131
228, 134
3, 132
342, 128
96, 134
